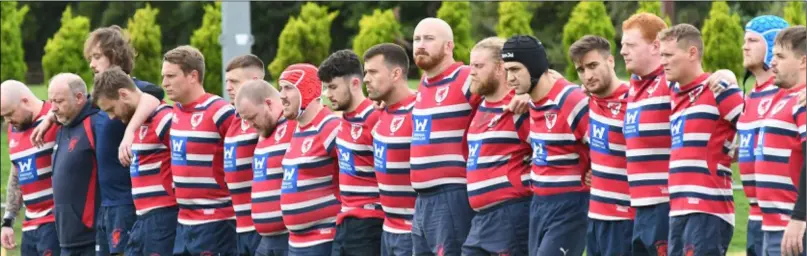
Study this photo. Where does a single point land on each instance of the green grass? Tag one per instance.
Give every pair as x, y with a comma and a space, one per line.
737, 242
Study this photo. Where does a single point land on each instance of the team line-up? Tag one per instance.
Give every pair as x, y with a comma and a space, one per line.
503, 156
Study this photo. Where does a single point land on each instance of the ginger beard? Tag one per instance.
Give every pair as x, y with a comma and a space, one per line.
427, 61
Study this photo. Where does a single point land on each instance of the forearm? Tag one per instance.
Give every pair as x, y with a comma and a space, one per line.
13, 195
144, 109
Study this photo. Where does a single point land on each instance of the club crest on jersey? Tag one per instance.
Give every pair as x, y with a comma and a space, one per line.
244, 125
779, 106
396, 123
281, 131
763, 106
355, 131
614, 107
143, 130
196, 119
694, 93
551, 118
13, 143
307, 143
441, 94
651, 90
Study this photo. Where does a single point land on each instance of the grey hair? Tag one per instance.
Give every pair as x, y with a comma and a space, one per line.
74, 82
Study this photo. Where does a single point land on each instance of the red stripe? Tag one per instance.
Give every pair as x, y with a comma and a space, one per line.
89, 131
88, 218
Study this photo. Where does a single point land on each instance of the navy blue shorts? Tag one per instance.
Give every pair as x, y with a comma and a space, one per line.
358, 237
86, 250
153, 233
396, 244
651, 230
499, 230
754, 238
276, 245
248, 243
609, 237
215, 238
41, 241
442, 221
699, 234
112, 228
558, 224
316, 250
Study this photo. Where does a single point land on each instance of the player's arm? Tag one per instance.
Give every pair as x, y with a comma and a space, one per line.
332, 128
38, 135
145, 108
13, 194
713, 82
730, 103
578, 118
224, 118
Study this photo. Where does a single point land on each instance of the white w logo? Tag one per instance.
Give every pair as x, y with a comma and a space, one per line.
631, 116
288, 174
473, 149
25, 166
345, 155
228, 152
177, 145
676, 127
379, 150
745, 140
599, 131
259, 161
420, 125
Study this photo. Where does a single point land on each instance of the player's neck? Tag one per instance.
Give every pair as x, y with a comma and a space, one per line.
802, 79
502, 90
437, 70
36, 106
615, 83
761, 75
194, 94
309, 114
545, 84
401, 92
653, 64
691, 76
358, 98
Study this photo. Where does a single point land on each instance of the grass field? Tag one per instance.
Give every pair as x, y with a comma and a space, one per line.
737, 242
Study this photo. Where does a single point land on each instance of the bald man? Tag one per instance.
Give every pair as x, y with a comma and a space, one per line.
29, 182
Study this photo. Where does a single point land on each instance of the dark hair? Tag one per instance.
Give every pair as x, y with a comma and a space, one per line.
107, 83
114, 45
589, 43
188, 58
685, 36
245, 61
341, 63
394, 55
793, 38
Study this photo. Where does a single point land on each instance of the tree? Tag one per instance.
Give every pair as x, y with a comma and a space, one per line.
794, 13
64, 52
12, 64
380, 27
514, 19
722, 39
653, 7
458, 15
146, 39
206, 39
305, 39
587, 18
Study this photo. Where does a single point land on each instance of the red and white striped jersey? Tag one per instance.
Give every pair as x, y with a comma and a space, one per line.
610, 193
443, 110
779, 159
197, 160
309, 195
757, 104
498, 155
357, 181
267, 178
392, 136
702, 126
558, 127
33, 167
152, 185
239, 145
647, 138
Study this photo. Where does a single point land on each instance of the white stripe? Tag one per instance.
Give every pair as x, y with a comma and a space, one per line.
688, 163
749, 125
487, 183
553, 136
353, 146
36, 215
266, 215
276, 170
576, 111
43, 171
270, 193
31, 151
314, 181
223, 110
637, 202
239, 185
163, 122
729, 218
208, 101
149, 167
244, 229
492, 134
558, 178
701, 190
492, 159
304, 204
447, 134
305, 159
436, 159
654, 126
609, 169
440, 181
146, 210
202, 201
242, 207
270, 234
395, 188
605, 120
697, 136
649, 101
242, 137
609, 194
331, 138
398, 165
393, 139
184, 179
199, 157
780, 152
734, 112
147, 189
396, 210
774, 123
359, 189
774, 179
309, 244
649, 176
191, 222
38, 194
273, 148
142, 147
195, 134
311, 223
441, 110
777, 205
604, 217
647, 152
395, 230
243, 161
571, 156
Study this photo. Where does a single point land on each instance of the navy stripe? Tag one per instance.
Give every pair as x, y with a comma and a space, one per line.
755, 95
583, 112
767, 210
192, 163
498, 141
690, 169
402, 111
162, 133
196, 185
542, 107
148, 172
276, 153
520, 121
701, 115
490, 165
799, 111
659, 106
312, 208
445, 140
39, 200
354, 194
312, 187
454, 114
429, 166
358, 173
560, 142
398, 216
404, 194
609, 176
145, 153
722, 173
276, 176
642, 183
693, 143
206, 206
200, 140
610, 200
484, 109
265, 199
566, 95
246, 212
316, 164
648, 158
749, 183
150, 195
396, 145
241, 167
443, 81
362, 152
677, 195
224, 117
244, 190
563, 162
773, 185
725, 94
249, 142
267, 220
490, 188
780, 131
395, 171
775, 159
650, 133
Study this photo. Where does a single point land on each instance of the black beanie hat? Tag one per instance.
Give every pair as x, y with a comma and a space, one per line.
528, 51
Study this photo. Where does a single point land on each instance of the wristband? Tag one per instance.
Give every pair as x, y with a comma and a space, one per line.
7, 222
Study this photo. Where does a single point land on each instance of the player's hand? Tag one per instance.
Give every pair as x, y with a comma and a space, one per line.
38, 135
125, 150
7, 238
793, 237
379, 105
713, 82
519, 105
588, 178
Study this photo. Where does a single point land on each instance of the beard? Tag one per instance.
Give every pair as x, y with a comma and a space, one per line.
485, 87
28, 121
345, 104
425, 62
601, 87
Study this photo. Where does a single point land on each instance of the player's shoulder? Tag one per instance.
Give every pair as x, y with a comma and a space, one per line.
217, 103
